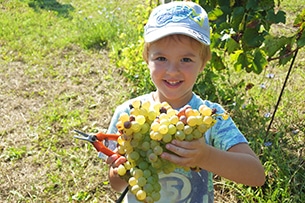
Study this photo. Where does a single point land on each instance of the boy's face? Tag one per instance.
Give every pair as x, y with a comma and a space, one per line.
174, 64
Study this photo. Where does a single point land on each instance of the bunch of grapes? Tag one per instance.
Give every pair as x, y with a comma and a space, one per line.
144, 134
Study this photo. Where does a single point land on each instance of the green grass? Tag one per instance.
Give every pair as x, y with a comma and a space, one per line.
56, 76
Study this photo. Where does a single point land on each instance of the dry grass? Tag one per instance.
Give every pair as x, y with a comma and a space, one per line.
38, 162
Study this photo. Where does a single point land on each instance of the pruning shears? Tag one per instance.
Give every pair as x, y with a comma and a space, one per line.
99, 141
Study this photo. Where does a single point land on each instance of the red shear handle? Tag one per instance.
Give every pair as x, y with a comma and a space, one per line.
100, 147
102, 136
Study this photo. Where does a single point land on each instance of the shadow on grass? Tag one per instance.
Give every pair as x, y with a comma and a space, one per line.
62, 10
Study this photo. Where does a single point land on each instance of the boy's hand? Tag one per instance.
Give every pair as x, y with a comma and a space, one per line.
187, 153
114, 161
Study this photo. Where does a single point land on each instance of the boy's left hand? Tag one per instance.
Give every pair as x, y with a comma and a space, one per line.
187, 153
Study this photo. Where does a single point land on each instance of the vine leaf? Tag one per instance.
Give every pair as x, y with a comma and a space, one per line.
274, 44
260, 61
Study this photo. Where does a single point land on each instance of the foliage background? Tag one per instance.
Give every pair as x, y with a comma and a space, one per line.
68, 64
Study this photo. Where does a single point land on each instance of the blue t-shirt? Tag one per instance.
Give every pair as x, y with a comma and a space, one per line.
181, 186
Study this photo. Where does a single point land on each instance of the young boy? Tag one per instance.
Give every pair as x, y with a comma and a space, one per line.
177, 38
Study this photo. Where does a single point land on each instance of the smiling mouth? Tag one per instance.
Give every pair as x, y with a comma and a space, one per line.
173, 83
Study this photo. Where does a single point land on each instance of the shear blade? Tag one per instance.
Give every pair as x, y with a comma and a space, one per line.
82, 133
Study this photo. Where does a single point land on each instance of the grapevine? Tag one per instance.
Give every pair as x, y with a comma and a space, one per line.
144, 134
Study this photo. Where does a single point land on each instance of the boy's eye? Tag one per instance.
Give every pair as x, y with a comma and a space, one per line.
186, 60
161, 58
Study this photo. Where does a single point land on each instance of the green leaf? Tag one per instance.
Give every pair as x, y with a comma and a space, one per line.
241, 60
301, 40
217, 62
279, 17
214, 14
286, 55
274, 44
300, 19
251, 4
252, 38
232, 46
259, 62
237, 17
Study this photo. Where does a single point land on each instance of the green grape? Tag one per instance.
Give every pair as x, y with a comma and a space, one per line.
141, 195
132, 181
127, 165
128, 132
152, 115
134, 189
143, 165
135, 126
137, 136
155, 126
189, 112
208, 120
136, 104
144, 128
180, 125
187, 129
149, 199
146, 105
153, 157
191, 121
173, 119
202, 128
124, 117
120, 125
164, 120
145, 146
157, 164
189, 137
197, 134
148, 188
120, 140
171, 129
121, 150
156, 135
141, 181
167, 138
134, 143
205, 111
163, 129
158, 150
137, 173
146, 173
140, 119
157, 186
171, 112
225, 116
156, 196
151, 180
134, 155
180, 135
154, 143
121, 170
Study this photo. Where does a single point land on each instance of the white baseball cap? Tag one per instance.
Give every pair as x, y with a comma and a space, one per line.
187, 18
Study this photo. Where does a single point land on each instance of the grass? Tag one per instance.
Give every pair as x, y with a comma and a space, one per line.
56, 76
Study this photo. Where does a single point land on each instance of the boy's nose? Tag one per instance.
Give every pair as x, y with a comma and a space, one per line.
172, 68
